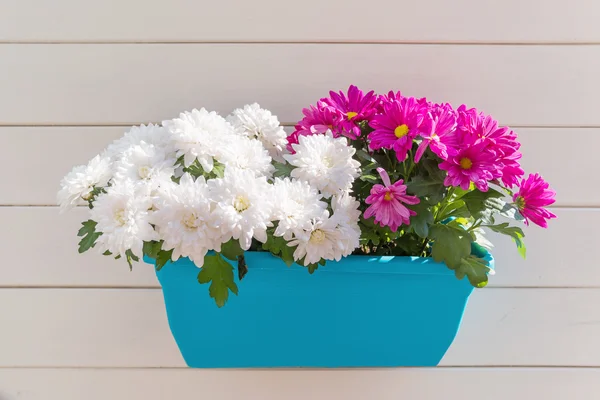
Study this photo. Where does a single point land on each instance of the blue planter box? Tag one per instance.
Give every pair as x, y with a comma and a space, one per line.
360, 312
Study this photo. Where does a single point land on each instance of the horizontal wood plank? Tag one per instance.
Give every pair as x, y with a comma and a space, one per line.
41, 156
382, 384
130, 84
313, 20
128, 328
39, 247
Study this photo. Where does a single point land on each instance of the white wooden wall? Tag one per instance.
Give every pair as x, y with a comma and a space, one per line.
74, 74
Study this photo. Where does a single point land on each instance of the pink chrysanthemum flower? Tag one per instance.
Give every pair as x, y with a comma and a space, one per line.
533, 195
439, 132
317, 120
472, 163
502, 141
387, 203
355, 107
398, 125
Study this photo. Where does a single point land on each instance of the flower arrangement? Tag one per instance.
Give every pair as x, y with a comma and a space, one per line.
361, 174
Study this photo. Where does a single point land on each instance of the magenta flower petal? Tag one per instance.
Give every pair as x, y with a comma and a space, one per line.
533, 195
387, 203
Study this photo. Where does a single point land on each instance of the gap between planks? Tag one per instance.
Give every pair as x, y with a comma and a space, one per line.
298, 42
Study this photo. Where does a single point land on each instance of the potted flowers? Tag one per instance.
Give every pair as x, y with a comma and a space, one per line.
387, 196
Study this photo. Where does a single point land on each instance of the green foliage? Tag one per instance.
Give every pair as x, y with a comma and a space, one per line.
474, 269
420, 223
312, 268
219, 273
88, 234
163, 257
196, 170
514, 232
278, 247
282, 170
450, 245
232, 249
131, 257
430, 187
151, 249
484, 205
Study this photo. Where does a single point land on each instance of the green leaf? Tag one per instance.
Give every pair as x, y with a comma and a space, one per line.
232, 249
369, 178
131, 257
218, 170
219, 273
450, 244
483, 205
163, 257
420, 222
322, 262
363, 155
88, 231
282, 170
278, 246
312, 268
474, 269
151, 249
514, 232
107, 253
195, 169
431, 187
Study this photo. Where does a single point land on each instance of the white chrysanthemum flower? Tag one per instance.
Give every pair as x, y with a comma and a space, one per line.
247, 154
325, 162
150, 134
321, 240
184, 220
78, 184
347, 215
259, 123
295, 205
244, 205
122, 215
200, 135
147, 165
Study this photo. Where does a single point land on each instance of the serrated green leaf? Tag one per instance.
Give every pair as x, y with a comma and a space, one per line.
219, 273
195, 169
474, 269
514, 232
163, 257
282, 170
232, 249
420, 223
450, 244
88, 231
278, 247
427, 186
151, 249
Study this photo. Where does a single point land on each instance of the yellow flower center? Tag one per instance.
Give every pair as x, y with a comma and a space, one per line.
520, 202
241, 203
401, 131
351, 114
388, 196
120, 217
144, 172
190, 221
466, 163
317, 236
